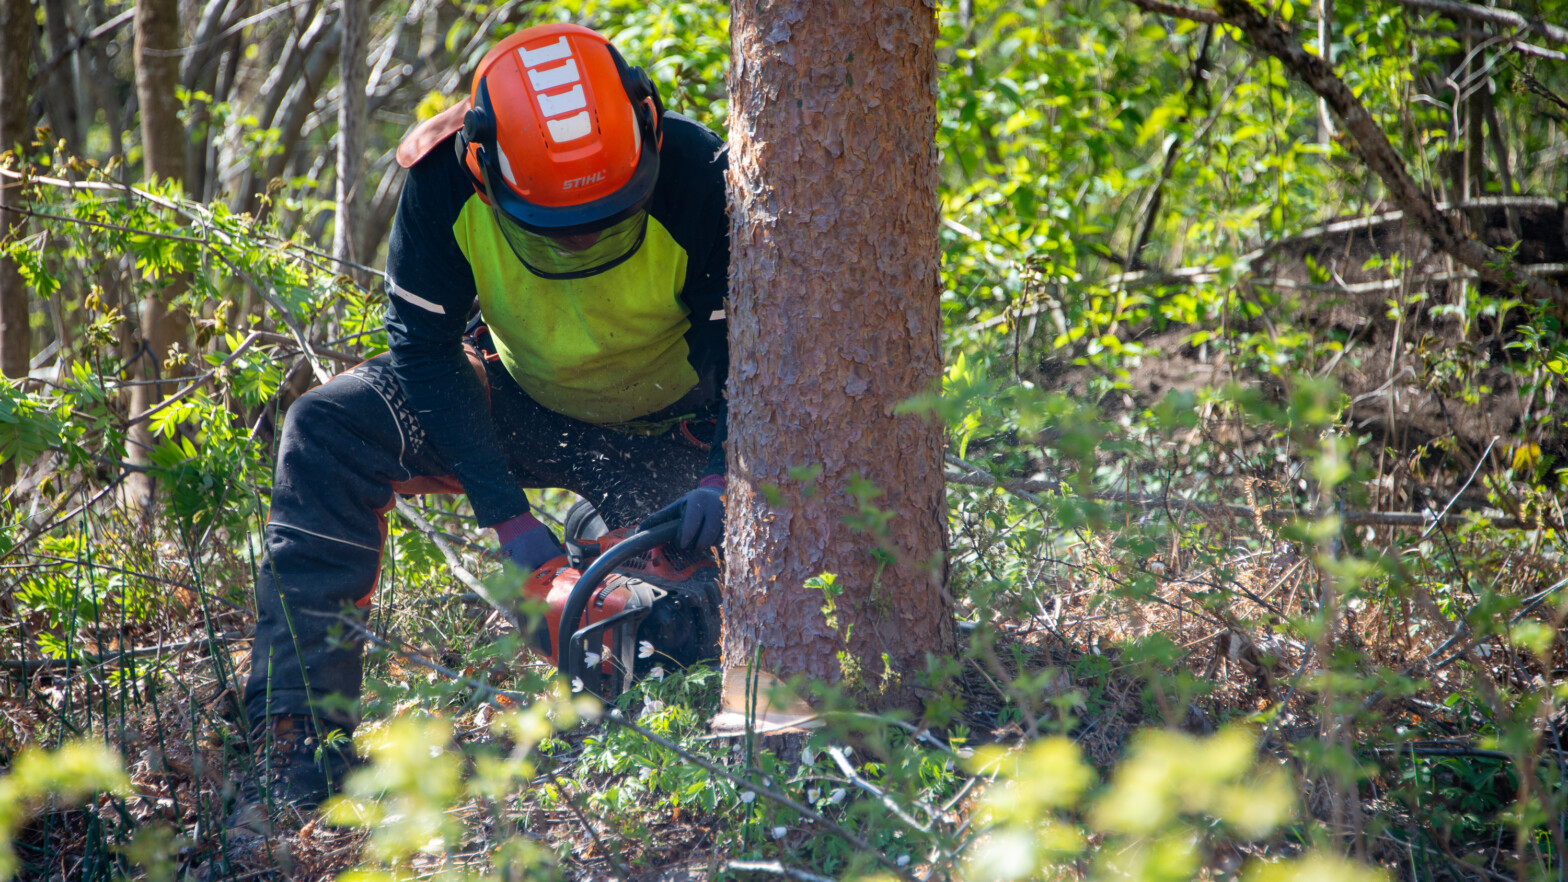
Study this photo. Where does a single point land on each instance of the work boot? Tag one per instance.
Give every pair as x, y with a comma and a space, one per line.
292, 773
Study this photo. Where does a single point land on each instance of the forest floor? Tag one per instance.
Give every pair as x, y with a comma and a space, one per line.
186, 754
1206, 624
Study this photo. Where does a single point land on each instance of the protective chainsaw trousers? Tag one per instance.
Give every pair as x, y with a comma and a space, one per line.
347, 447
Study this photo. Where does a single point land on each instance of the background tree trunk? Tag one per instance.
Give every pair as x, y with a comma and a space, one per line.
17, 26
352, 74
59, 87
834, 321
163, 157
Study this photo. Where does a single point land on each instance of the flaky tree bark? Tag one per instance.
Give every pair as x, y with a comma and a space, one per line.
17, 26
352, 73
834, 320
163, 157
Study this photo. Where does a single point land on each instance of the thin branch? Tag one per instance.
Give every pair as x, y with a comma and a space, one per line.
29, 665
1492, 15
765, 792
463, 575
56, 521
1176, 10
81, 41
1026, 489
593, 832
186, 390
196, 212
775, 868
892, 805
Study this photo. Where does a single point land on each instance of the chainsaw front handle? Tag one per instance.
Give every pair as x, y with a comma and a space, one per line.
603, 565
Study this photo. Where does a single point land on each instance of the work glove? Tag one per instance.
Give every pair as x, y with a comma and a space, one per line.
528, 543
700, 514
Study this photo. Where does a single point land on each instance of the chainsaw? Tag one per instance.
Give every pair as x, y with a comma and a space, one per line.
626, 603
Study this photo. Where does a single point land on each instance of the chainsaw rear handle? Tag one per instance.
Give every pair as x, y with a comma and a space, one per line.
603, 565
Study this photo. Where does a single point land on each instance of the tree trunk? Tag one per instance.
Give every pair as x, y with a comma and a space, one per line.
352, 74
17, 26
834, 321
163, 157
59, 87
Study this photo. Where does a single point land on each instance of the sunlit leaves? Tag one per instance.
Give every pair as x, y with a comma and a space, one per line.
30, 424
70, 773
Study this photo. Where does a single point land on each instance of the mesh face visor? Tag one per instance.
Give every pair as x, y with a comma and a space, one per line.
573, 257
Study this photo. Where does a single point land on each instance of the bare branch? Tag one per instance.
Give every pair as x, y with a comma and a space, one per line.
1489, 14
1027, 491
1176, 10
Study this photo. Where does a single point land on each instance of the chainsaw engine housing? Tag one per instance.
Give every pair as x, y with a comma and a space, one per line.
654, 607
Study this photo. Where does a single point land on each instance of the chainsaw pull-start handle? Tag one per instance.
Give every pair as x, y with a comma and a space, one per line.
603, 565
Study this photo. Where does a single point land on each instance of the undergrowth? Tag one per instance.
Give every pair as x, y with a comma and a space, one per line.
1225, 613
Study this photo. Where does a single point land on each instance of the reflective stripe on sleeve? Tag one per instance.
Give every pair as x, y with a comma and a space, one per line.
415, 299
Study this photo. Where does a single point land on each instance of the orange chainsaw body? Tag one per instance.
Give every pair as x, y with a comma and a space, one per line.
660, 598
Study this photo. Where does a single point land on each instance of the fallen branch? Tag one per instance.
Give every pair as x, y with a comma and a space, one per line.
1492, 15
774, 868
29, 665
1027, 490
1198, 275
1381, 158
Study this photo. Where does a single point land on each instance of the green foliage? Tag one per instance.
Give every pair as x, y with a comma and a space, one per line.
30, 424
69, 774
1191, 389
406, 794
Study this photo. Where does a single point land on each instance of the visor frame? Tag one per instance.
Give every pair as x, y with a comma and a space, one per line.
502, 223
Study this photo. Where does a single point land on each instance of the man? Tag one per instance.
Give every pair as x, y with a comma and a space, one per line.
588, 226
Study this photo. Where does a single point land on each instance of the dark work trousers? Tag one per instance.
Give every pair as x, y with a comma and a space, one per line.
345, 446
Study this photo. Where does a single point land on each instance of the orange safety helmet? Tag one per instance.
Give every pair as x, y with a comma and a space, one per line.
562, 143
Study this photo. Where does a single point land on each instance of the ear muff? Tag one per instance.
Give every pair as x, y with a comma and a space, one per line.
644, 96
478, 127
478, 132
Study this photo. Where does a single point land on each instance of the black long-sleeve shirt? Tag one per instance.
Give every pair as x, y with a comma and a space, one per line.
639, 343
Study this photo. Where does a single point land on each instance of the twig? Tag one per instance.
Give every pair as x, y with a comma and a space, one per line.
269, 294
185, 391
1480, 461
28, 665
82, 40
593, 832
1026, 489
463, 575
191, 210
776, 869
765, 792
54, 522
844, 766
